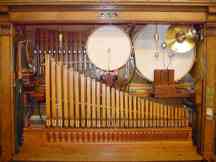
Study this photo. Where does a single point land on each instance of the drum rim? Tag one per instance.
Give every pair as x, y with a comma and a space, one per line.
123, 31
176, 80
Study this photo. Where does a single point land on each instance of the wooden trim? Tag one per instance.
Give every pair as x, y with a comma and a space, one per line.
6, 95
105, 2
3, 9
108, 7
4, 18
92, 17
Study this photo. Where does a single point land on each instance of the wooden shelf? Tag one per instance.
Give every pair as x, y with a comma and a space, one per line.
145, 151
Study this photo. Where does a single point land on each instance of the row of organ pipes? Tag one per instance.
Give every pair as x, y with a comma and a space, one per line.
77, 98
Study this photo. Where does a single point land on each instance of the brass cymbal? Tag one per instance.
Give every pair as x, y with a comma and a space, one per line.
180, 39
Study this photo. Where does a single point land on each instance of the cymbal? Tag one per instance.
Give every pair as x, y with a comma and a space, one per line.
180, 39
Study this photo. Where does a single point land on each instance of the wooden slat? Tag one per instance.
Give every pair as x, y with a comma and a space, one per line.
104, 107
98, 103
142, 112
53, 91
151, 114
126, 108
83, 100
77, 98
187, 118
66, 95
121, 109
59, 94
135, 111
147, 106
117, 110
89, 107
108, 99
166, 115
162, 114
113, 106
138, 112
130, 112
154, 115
158, 115
181, 116
94, 108
48, 90
177, 116
71, 98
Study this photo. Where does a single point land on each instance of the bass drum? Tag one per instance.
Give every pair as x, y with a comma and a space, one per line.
109, 47
150, 55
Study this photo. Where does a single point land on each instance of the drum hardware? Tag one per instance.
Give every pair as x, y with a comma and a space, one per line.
146, 61
180, 39
156, 39
110, 54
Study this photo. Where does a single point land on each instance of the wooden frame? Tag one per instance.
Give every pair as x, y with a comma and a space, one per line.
128, 11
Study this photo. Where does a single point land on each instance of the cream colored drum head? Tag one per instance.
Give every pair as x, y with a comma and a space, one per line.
109, 47
147, 58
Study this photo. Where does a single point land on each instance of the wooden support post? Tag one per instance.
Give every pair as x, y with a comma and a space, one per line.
7, 138
208, 125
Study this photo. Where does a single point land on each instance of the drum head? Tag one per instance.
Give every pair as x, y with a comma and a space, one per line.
109, 47
147, 60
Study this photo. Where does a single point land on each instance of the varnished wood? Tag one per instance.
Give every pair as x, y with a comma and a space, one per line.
6, 95
128, 2
122, 16
208, 127
203, 14
101, 150
48, 91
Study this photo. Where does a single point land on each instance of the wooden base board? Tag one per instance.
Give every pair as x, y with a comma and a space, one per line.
37, 148
145, 151
84, 135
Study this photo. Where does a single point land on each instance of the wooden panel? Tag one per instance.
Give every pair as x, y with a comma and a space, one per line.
7, 138
123, 16
68, 150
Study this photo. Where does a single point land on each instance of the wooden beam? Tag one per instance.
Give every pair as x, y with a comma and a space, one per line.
6, 95
210, 95
92, 17
116, 2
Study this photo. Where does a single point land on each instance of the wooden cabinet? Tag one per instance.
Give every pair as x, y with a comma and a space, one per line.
129, 12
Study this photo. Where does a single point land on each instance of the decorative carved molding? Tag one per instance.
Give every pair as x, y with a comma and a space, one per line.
5, 29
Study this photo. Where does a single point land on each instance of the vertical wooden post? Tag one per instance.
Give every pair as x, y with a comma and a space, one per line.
208, 122
7, 138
